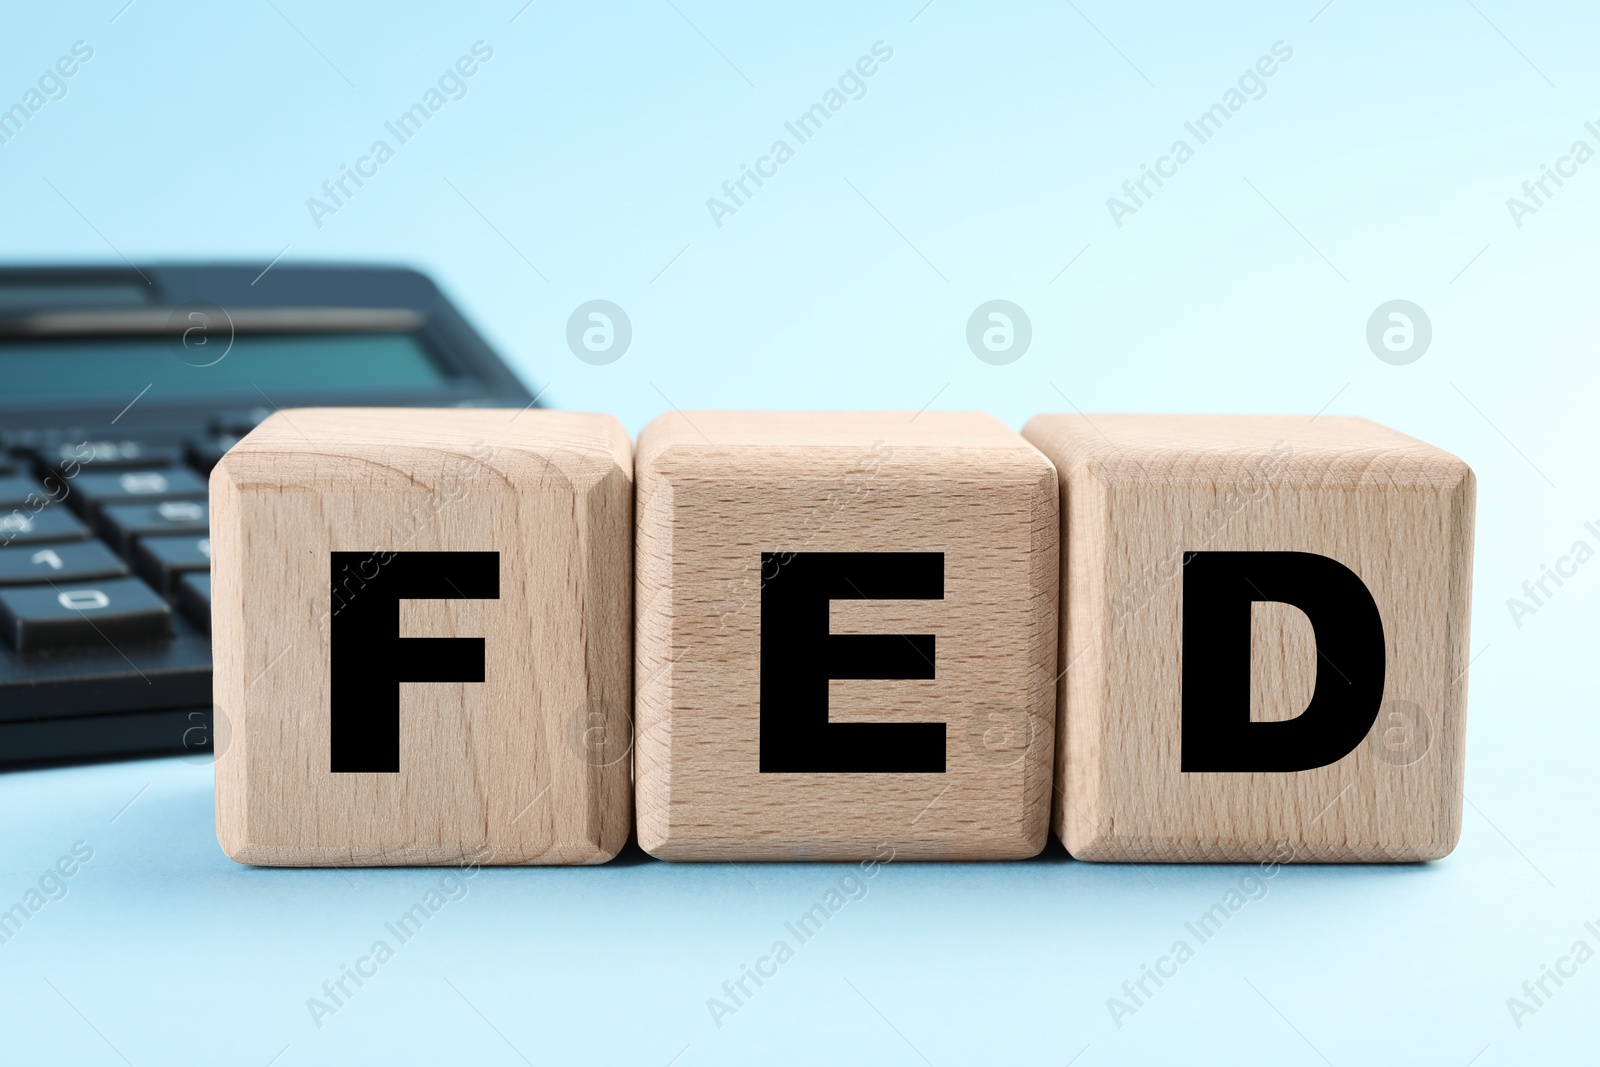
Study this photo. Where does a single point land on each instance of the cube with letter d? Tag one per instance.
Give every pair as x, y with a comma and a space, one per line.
846, 629
1264, 654
421, 629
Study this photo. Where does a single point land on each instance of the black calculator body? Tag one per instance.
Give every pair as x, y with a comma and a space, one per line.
120, 388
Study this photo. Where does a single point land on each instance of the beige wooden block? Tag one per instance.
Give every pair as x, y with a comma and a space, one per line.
506, 739
1140, 494
756, 681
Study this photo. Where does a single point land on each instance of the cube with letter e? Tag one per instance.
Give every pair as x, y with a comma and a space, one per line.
1264, 641
845, 637
422, 638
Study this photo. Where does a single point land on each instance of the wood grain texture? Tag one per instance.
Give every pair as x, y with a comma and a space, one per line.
529, 766
1138, 491
715, 490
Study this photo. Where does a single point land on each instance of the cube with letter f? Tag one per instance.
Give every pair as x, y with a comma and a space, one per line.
422, 638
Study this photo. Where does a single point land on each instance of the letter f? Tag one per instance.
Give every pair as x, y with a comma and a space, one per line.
368, 659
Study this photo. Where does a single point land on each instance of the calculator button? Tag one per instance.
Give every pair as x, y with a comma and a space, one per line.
38, 444
163, 559
19, 489
238, 421
96, 488
106, 454
194, 597
38, 617
206, 452
70, 562
123, 524
24, 527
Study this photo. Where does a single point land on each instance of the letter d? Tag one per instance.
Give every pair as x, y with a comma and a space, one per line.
1218, 589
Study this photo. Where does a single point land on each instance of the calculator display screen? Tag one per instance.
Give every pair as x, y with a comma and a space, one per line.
118, 366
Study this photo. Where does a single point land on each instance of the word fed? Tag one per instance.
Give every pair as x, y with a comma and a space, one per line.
513, 638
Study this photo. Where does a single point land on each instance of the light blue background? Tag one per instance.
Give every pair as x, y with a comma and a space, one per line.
978, 165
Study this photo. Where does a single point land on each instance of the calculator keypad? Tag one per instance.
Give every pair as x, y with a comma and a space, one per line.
105, 548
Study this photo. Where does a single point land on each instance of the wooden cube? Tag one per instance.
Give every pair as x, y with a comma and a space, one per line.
422, 631
1264, 638
846, 630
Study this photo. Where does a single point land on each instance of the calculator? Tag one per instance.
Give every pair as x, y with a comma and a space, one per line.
120, 388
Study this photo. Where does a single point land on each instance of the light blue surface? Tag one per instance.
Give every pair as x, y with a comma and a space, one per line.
1377, 166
